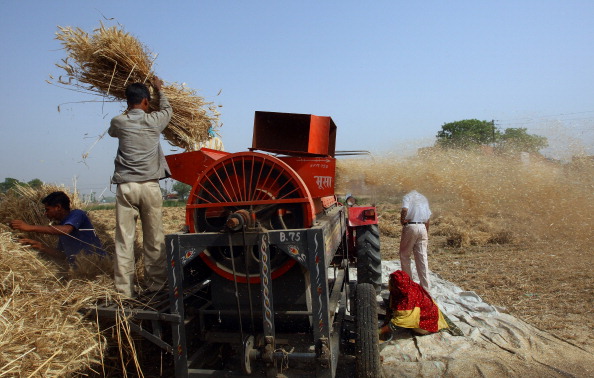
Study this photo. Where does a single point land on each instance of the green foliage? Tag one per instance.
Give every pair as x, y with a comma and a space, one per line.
103, 206
111, 206
173, 203
181, 189
10, 183
517, 139
467, 133
35, 183
471, 133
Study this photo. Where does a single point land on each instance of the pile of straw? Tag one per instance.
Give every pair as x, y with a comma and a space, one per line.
43, 331
108, 60
24, 203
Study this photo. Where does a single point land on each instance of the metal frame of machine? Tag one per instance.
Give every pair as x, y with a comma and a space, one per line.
309, 248
262, 276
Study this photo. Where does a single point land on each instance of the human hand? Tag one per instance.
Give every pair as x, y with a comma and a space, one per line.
18, 224
157, 83
32, 243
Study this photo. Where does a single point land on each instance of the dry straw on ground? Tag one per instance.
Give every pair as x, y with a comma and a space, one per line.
43, 330
106, 61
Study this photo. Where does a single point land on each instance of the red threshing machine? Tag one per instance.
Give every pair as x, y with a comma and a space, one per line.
260, 283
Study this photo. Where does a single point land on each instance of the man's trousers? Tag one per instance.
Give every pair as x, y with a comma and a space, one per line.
144, 199
414, 240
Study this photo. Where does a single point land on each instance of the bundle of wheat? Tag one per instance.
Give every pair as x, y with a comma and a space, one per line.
106, 61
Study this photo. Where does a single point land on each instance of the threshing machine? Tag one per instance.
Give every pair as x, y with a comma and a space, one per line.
260, 281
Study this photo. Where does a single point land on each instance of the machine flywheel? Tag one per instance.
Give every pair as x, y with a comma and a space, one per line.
257, 189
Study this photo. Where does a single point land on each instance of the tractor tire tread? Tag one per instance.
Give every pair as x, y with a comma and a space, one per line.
368, 362
369, 261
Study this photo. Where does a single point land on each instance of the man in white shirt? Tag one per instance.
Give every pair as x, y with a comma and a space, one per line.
414, 218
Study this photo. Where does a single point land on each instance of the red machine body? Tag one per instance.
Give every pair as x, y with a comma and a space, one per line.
307, 145
282, 191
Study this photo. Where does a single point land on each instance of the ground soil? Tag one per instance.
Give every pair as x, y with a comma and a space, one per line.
549, 288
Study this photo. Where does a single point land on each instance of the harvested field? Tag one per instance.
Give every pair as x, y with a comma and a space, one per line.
501, 228
519, 234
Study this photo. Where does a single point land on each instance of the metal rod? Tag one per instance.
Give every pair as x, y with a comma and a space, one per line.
227, 312
296, 356
336, 292
348, 153
236, 288
249, 285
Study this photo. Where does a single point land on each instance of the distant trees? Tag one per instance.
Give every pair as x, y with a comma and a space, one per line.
470, 133
181, 189
466, 133
10, 183
519, 140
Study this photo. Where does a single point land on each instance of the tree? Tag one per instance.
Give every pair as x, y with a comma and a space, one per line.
517, 140
35, 183
181, 189
471, 133
467, 133
10, 183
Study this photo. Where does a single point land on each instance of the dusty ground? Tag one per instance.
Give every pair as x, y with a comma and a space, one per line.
549, 287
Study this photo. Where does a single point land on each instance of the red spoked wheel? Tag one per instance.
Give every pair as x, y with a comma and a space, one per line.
262, 186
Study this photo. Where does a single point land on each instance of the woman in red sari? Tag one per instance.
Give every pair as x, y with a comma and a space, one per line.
411, 306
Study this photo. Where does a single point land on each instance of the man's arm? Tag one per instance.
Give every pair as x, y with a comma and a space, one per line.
112, 130
163, 116
42, 248
403, 213
18, 224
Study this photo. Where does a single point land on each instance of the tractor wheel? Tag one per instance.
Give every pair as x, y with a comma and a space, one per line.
369, 260
367, 343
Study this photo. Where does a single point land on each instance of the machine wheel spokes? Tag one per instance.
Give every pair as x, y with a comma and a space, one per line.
261, 191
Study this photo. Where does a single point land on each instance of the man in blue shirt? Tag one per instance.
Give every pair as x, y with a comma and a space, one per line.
75, 231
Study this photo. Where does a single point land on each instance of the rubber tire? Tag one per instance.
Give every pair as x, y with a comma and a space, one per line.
368, 363
369, 260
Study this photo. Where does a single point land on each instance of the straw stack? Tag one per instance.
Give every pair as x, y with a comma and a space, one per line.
24, 203
108, 60
42, 328
41, 331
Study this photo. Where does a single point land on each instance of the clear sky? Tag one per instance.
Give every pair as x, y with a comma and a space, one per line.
389, 73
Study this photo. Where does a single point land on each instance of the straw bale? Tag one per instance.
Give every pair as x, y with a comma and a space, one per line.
106, 61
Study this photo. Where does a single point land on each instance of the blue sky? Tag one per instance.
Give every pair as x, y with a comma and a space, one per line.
389, 73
